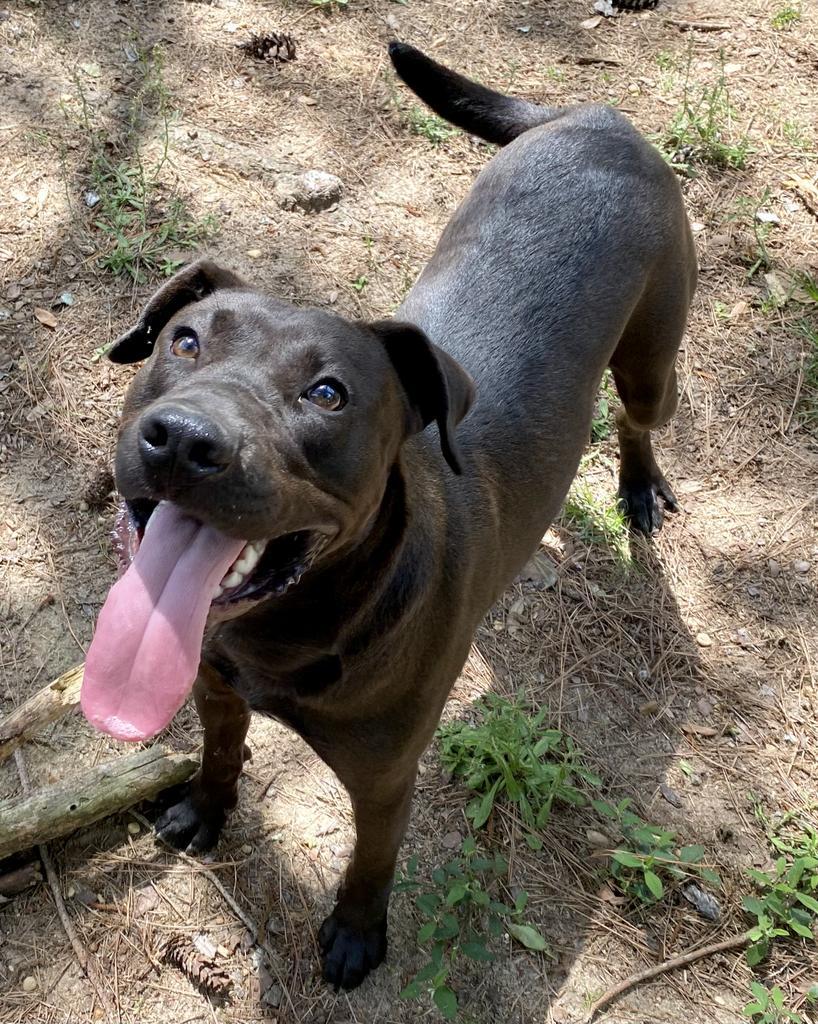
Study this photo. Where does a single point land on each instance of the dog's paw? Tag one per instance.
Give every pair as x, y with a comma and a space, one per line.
186, 826
349, 953
641, 505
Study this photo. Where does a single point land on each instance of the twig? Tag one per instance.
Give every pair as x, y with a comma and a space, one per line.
87, 963
699, 26
736, 942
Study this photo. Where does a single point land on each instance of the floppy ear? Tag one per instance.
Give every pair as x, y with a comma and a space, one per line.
190, 285
437, 387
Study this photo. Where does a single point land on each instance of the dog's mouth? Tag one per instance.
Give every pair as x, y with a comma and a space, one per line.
178, 572
262, 568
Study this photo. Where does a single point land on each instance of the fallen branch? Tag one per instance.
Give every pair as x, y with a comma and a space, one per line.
699, 26
88, 964
74, 803
736, 942
14, 882
47, 705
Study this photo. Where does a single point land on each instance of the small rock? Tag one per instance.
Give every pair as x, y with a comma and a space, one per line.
392, 22
650, 707
254, 254
540, 569
134, 828
767, 216
671, 796
91, 199
704, 640
788, 737
311, 191
801, 566
706, 904
773, 567
247, 849
272, 996
308, 101
597, 839
29, 983
591, 23
452, 840
753, 592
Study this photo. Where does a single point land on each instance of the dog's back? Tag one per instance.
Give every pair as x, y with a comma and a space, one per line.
536, 278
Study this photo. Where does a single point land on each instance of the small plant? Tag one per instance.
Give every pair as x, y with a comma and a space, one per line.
430, 126
785, 18
360, 283
787, 902
512, 756
700, 130
461, 917
602, 423
796, 134
768, 1007
596, 521
138, 222
648, 857
329, 4
746, 213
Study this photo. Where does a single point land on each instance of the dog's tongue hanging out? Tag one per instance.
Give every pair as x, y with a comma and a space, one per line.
144, 657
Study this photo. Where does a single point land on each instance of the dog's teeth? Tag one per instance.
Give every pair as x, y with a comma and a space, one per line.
232, 580
219, 591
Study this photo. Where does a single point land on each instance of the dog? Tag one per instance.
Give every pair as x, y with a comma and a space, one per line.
318, 513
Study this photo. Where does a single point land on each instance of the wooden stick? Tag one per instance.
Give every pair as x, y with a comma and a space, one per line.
736, 942
74, 803
699, 26
47, 705
88, 964
17, 881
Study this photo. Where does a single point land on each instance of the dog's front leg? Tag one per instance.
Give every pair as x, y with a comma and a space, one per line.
194, 823
353, 937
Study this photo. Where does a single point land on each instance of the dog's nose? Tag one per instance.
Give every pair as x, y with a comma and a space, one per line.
184, 447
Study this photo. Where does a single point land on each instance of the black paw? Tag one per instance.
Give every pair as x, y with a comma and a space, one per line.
187, 826
641, 506
348, 953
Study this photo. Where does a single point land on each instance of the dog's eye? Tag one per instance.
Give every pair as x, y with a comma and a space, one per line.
327, 394
185, 344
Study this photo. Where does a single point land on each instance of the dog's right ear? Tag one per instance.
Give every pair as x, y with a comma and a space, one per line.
190, 285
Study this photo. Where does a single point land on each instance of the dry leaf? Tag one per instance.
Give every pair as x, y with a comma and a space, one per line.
591, 22
693, 729
45, 316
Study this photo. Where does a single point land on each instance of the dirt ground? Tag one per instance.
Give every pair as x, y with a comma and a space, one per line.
693, 670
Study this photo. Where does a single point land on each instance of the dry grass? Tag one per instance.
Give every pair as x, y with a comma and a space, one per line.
714, 624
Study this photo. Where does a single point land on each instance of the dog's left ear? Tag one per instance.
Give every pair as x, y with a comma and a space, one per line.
437, 387
191, 284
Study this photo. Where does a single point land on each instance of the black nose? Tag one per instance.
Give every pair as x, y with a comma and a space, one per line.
182, 447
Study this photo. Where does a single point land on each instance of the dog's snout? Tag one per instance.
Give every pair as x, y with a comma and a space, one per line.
183, 447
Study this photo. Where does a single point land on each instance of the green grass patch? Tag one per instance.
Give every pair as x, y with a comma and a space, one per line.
701, 131
431, 127
785, 18
138, 223
597, 521
512, 756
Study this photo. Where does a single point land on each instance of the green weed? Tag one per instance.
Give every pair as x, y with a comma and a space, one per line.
360, 283
785, 18
746, 214
430, 126
649, 857
767, 1006
701, 130
461, 918
786, 905
512, 756
137, 222
602, 423
597, 521
796, 134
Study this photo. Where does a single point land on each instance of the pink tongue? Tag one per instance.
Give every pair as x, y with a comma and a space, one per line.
144, 657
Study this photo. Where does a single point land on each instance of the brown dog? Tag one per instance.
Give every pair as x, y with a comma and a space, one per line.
295, 533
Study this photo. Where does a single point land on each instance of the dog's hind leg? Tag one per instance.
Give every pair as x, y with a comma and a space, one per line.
643, 367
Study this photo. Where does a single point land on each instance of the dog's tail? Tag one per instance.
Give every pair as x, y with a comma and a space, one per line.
472, 107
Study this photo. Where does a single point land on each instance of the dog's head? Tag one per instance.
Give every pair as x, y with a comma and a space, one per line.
276, 425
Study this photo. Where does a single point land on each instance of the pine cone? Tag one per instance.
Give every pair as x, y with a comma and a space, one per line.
274, 47
200, 970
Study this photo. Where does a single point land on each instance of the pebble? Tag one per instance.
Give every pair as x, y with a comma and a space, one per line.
598, 839
704, 640
134, 828
801, 566
774, 568
29, 983
247, 849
